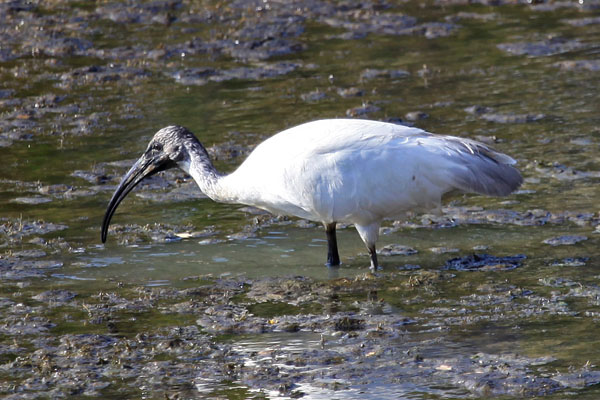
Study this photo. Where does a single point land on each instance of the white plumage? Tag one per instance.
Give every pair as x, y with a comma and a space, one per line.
340, 170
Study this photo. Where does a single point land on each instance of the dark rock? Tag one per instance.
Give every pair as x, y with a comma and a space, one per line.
485, 262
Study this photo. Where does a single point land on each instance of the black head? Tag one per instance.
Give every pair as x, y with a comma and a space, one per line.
168, 148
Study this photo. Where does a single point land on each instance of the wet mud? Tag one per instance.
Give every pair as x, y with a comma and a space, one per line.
133, 345
508, 311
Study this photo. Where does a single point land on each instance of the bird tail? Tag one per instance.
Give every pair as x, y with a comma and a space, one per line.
481, 169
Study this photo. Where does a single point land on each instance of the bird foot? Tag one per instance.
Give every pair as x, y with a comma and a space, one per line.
374, 268
332, 265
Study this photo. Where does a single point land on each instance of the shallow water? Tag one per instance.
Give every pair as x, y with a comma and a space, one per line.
85, 86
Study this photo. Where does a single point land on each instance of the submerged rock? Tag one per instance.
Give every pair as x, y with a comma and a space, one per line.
96, 177
372, 73
563, 172
485, 262
294, 291
56, 295
186, 191
579, 65
267, 37
313, 96
33, 253
472, 15
395, 250
156, 233
570, 262
489, 114
34, 200
17, 229
512, 118
542, 48
582, 21
443, 250
350, 92
201, 76
565, 240
362, 110
416, 115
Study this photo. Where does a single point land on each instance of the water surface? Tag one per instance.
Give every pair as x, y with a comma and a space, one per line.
85, 86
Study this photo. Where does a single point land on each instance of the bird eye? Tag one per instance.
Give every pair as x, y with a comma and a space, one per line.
157, 146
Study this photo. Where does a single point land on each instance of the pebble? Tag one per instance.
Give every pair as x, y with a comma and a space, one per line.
565, 240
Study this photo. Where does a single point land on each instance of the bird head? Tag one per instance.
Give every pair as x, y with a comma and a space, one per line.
170, 147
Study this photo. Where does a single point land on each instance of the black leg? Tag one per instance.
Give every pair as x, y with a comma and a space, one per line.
333, 257
373, 254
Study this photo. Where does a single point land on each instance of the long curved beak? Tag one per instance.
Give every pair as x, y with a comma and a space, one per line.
144, 167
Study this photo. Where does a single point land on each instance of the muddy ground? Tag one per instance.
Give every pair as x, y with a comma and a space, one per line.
437, 322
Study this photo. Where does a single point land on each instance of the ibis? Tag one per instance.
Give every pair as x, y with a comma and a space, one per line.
333, 171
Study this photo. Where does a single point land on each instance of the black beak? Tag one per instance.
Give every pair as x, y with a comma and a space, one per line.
146, 166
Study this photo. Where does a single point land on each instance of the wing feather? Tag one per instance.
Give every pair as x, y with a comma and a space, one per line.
475, 167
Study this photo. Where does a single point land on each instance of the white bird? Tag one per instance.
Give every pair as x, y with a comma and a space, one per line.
334, 170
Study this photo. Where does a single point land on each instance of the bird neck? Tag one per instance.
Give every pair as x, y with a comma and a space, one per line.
199, 166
